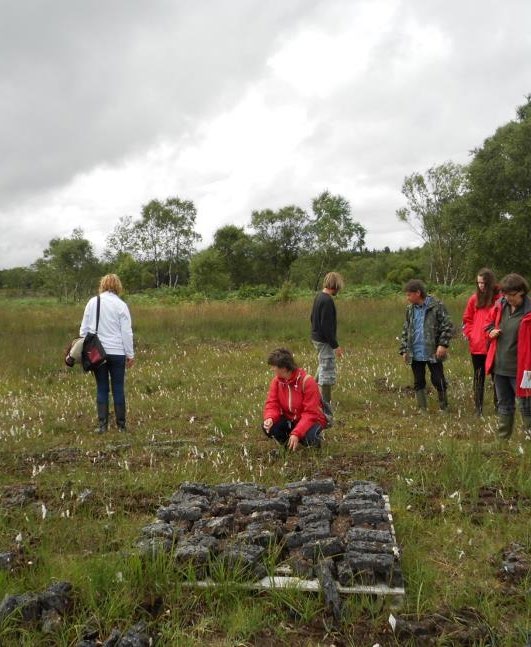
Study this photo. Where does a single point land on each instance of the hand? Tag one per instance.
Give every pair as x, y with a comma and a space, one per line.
267, 424
441, 352
129, 362
406, 358
495, 332
339, 352
293, 442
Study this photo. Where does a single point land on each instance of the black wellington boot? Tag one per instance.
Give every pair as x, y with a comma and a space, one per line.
119, 412
103, 417
443, 401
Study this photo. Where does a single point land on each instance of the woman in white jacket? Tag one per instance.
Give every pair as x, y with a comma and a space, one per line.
116, 336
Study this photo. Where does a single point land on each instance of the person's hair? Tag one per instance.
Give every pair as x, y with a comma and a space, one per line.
486, 297
333, 281
282, 358
416, 285
110, 283
514, 283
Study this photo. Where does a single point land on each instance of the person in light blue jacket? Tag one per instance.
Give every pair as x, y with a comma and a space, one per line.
116, 335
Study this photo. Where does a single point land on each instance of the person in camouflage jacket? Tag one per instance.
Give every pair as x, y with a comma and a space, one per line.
425, 340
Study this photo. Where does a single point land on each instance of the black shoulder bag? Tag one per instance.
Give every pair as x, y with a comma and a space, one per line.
93, 354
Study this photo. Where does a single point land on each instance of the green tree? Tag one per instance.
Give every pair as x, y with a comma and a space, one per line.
166, 237
500, 197
68, 267
437, 211
122, 239
280, 237
133, 274
208, 272
237, 249
333, 232
19, 279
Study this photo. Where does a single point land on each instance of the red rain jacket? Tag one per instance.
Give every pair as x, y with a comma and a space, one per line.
300, 404
475, 321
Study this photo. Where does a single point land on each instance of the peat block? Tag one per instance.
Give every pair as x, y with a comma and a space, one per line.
296, 529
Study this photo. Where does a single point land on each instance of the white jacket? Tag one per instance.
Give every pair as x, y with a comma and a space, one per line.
114, 329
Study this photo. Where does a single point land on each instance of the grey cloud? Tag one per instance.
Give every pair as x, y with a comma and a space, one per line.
92, 82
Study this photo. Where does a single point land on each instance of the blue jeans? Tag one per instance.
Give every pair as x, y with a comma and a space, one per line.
282, 429
113, 368
506, 392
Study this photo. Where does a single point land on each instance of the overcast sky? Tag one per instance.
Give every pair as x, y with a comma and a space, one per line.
241, 105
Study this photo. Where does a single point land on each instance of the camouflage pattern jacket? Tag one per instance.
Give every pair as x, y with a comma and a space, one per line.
438, 329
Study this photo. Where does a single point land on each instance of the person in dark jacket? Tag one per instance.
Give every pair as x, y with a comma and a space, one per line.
509, 353
425, 339
476, 317
324, 333
293, 414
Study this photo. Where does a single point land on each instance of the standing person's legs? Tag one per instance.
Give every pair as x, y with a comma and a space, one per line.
116, 365
506, 393
478, 362
525, 410
326, 371
419, 383
439, 382
102, 396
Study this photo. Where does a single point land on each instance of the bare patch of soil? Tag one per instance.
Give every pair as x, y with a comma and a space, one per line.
463, 627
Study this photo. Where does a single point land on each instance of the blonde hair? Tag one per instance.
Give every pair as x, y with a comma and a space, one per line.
333, 281
111, 283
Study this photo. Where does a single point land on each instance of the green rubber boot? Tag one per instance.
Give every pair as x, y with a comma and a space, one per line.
422, 399
505, 426
326, 392
526, 419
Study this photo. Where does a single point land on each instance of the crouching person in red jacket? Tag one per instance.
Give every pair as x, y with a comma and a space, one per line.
293, 414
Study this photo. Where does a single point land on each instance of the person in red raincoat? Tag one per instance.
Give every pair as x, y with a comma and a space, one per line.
509, 354
475, 319
293, 413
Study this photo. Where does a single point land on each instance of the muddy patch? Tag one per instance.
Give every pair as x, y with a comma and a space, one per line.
18, 496
464, 627
515, 564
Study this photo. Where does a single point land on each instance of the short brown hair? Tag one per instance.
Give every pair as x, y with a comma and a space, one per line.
416, 285
282, 358
111, 283
514, 283
333, 281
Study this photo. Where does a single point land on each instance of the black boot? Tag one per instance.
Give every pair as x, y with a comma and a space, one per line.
103, 417
119, 412
443, 400
479, 389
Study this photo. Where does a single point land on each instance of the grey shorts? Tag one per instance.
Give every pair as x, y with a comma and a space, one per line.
326, 372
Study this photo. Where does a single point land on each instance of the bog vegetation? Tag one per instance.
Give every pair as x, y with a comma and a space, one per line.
195, 395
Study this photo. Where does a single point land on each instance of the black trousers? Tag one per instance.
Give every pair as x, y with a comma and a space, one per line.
436, 374
478, 362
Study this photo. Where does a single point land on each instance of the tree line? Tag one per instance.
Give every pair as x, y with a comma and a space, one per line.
466, 215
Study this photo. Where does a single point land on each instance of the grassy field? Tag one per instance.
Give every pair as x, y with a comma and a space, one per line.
195, 396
